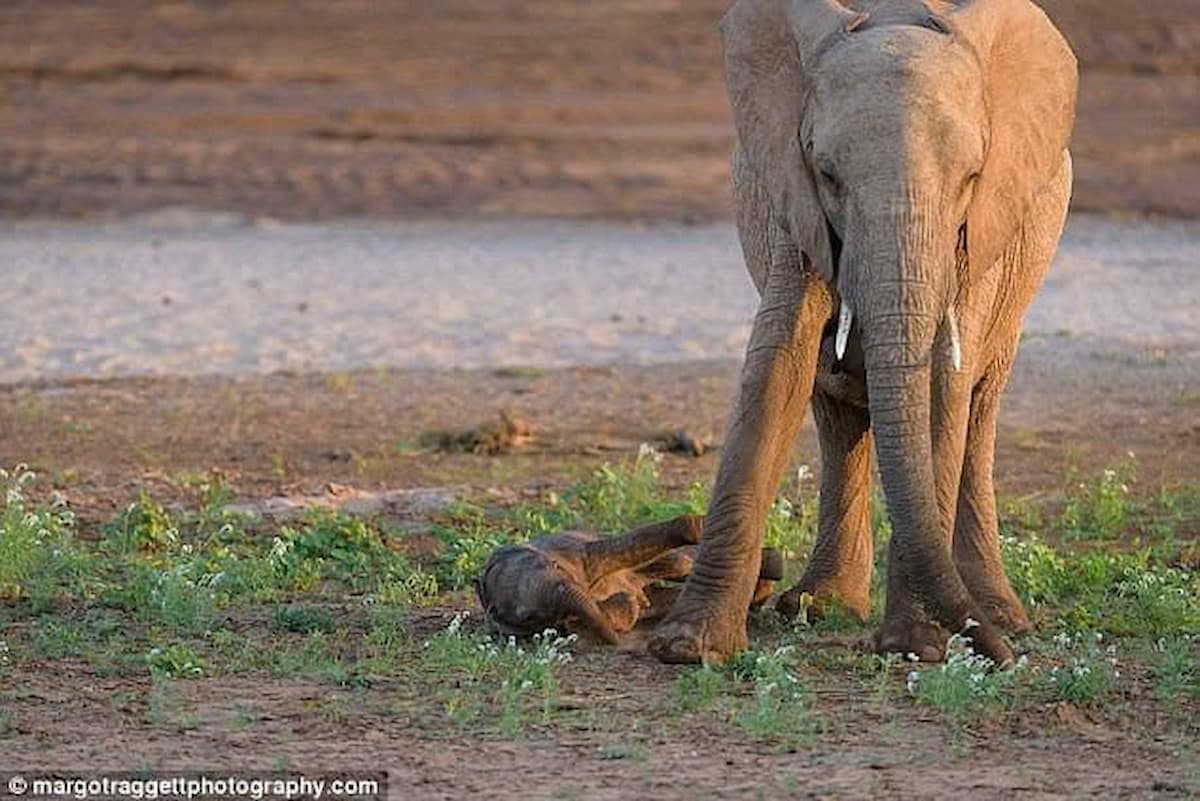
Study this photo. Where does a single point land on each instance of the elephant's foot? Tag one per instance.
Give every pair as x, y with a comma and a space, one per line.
826, 594
927, 640
922, 638
699, 633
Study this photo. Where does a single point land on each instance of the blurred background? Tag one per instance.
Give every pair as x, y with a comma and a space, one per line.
447, 108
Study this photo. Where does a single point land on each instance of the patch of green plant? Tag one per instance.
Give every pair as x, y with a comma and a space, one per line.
503, 682
698, 689
143, 526
263, 577
313, 657
467, 542
347, 549
756, 690
58, 639
386, 642
1037, 572
792, 527
1123, 594
237, 653
612, 498
1086, 669
409, 586
632, 751
1151, 601
40, 559
172, 598
176, 661
1176, 669
966, 686
1177, 508
301, 619
1101, 508
166, 704
778, 710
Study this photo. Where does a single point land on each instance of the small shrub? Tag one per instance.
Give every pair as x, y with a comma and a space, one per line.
386, 638
775, 709
301, 619
176, 661
171, 598
1100, 508
144, 526
1154, 602
466, 551
346, 548
778, 709
40, 560
498, 679
1176, 670
965, 686
408, 586
1087, 671
612, 498
1037, 572
698, 688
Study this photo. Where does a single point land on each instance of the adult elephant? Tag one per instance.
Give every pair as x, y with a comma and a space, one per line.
901, 179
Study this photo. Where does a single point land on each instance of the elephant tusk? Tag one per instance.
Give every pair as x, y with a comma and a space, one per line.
845, 318
955, 344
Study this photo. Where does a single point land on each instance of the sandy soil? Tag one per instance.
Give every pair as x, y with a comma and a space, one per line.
102, 442
313, 110
868, 751
183, 294
310, 111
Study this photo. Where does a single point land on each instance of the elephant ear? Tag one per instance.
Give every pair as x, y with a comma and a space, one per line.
770, 49
1030, 79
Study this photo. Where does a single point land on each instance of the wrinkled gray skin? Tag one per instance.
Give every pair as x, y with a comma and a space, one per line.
903, 165
579, 580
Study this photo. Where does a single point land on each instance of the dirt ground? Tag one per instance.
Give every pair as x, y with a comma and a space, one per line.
102, 442
307, 110
868, 751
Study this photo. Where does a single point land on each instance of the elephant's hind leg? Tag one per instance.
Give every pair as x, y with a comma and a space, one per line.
977, 527
839, 571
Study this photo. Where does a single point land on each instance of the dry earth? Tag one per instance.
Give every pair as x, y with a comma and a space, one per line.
102, 442
617, 109
306, 110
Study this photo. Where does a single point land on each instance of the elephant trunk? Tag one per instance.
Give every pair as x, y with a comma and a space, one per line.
575, 603
902, 304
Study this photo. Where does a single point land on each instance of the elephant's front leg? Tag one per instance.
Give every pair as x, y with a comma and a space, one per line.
839, 570
708, 622
977, 526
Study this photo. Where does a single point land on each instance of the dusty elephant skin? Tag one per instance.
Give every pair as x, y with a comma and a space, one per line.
604, 585
901, 180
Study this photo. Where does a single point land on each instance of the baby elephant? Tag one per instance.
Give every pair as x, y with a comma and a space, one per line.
602, 584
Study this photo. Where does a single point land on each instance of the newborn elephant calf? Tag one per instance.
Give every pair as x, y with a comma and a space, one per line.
603, 584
